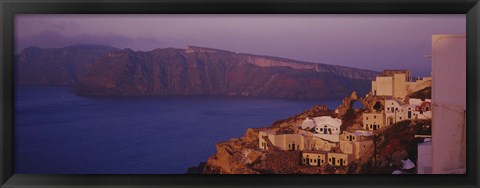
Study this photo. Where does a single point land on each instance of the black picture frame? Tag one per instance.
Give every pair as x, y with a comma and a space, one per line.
9, 8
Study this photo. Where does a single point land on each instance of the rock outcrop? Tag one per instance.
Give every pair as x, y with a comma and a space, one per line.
373, 103
425, 93
347, 104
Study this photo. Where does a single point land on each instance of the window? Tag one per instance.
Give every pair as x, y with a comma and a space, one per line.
366, 118
388, 108
374, 117
314, 160
311, 160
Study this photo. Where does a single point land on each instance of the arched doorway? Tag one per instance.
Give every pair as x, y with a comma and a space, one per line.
390, 120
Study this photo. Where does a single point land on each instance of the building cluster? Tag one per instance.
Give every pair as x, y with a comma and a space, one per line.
321, 142
393, 86
395, 111
398, 84
321, 139
435, 156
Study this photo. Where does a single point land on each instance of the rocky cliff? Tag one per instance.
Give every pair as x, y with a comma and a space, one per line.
106, 71
206, 71
56, 66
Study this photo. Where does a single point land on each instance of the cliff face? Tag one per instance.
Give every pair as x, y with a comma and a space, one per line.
106, 71
56, 66
205, 71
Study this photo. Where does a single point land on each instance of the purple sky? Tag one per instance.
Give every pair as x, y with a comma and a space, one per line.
374, 42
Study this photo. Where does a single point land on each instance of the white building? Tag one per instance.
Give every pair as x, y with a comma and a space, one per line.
302, 141
398, 84
339, 159
424, 159
394, 111
449, 104
422, 108
307, 124
373, 120
325, 127
314, 158
356, 143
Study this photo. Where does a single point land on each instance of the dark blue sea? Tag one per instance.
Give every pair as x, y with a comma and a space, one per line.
57, 132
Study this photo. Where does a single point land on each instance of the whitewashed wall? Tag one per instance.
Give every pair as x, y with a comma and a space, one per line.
449, 104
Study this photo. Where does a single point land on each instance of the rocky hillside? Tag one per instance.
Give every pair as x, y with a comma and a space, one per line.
56, 66
242, 156
205, 71
395, 143
425, 93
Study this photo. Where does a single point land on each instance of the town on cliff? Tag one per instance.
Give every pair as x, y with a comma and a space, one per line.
385, 136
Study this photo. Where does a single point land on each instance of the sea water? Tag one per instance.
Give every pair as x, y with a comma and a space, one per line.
57, 132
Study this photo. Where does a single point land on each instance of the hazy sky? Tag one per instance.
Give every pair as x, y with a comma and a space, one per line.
374, 42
